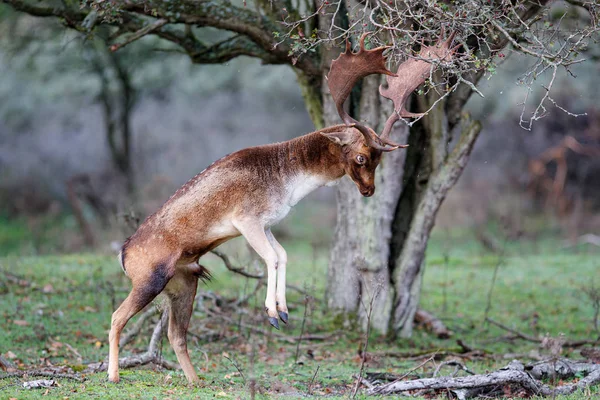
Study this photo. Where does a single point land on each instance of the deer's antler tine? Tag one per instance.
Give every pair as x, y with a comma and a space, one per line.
374, 141
347, 69
410, 75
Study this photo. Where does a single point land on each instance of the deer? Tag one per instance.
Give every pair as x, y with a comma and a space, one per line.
247, 192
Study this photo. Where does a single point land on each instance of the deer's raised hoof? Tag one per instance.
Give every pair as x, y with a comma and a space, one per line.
283, 316
273, 321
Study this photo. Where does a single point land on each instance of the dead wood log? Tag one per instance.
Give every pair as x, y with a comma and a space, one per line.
432, 324
137, 327
514, 374
560, 368
6, 365
151, 356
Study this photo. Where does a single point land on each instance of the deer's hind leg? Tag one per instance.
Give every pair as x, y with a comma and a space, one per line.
181, 292
147, 284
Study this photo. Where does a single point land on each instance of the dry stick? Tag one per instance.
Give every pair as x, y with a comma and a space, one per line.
137, 327
277, 335
382, 387
151, 356
499, 262
364, 353
444, 288
140, 33
312, 381
452, 363
18, 374
230, 267
6, 364
301, 329
243, 300
236, 367
252, 384
432, 323
594, 294
568, 343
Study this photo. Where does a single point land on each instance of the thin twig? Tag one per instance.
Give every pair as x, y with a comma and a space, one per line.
18, 374
230, 267
236, 367
574, 343
301, 329
390, 384
312, 381
159, 23
452, 363
364, 351
137, 327
499, 262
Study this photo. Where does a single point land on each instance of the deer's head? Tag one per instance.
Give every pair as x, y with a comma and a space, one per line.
357, 158
361, 146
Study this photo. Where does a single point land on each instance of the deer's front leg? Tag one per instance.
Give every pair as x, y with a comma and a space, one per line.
254, 232
281, 267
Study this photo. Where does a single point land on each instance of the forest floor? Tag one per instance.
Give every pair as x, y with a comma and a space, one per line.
55, 316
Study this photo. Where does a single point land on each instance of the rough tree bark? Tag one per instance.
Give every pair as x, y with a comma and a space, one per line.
358, 267
380, 242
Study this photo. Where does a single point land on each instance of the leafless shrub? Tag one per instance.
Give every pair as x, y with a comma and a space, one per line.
593, 293
555, 38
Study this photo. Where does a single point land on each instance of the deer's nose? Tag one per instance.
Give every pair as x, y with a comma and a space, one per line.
367, 191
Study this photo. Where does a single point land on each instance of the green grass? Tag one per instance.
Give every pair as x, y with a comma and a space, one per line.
55, 310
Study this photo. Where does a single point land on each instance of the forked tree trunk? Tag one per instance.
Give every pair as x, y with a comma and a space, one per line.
409, 265
380, 242
358, 268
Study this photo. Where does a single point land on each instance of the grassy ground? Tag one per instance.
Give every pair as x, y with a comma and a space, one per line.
56, 314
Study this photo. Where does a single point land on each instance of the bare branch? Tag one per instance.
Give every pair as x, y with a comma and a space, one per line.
230, 267
140, 33
256, 31
574, 343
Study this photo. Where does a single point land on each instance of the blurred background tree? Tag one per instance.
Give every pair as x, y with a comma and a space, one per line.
119, 53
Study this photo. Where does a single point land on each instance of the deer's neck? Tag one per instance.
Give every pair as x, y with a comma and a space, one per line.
313, 161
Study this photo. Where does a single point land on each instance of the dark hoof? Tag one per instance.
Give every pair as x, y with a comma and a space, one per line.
283, 316
273, 321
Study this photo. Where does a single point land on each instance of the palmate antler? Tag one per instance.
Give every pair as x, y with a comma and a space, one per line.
349, 67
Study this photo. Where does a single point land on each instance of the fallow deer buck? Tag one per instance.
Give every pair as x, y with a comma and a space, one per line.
247, 192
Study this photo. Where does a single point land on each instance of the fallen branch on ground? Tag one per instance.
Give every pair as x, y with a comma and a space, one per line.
137, 327
273, 334
47, 374
432, 324
515, 374
567, 343
151, 356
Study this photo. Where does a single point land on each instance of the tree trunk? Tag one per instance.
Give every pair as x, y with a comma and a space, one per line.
380, 242
358, 268
438, 173
118, 105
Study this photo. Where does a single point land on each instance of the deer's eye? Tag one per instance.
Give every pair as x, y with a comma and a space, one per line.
360, 159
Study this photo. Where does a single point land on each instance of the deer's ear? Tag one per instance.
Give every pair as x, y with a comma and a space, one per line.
340, 137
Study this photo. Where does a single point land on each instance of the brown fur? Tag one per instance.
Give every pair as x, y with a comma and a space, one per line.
243, 193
